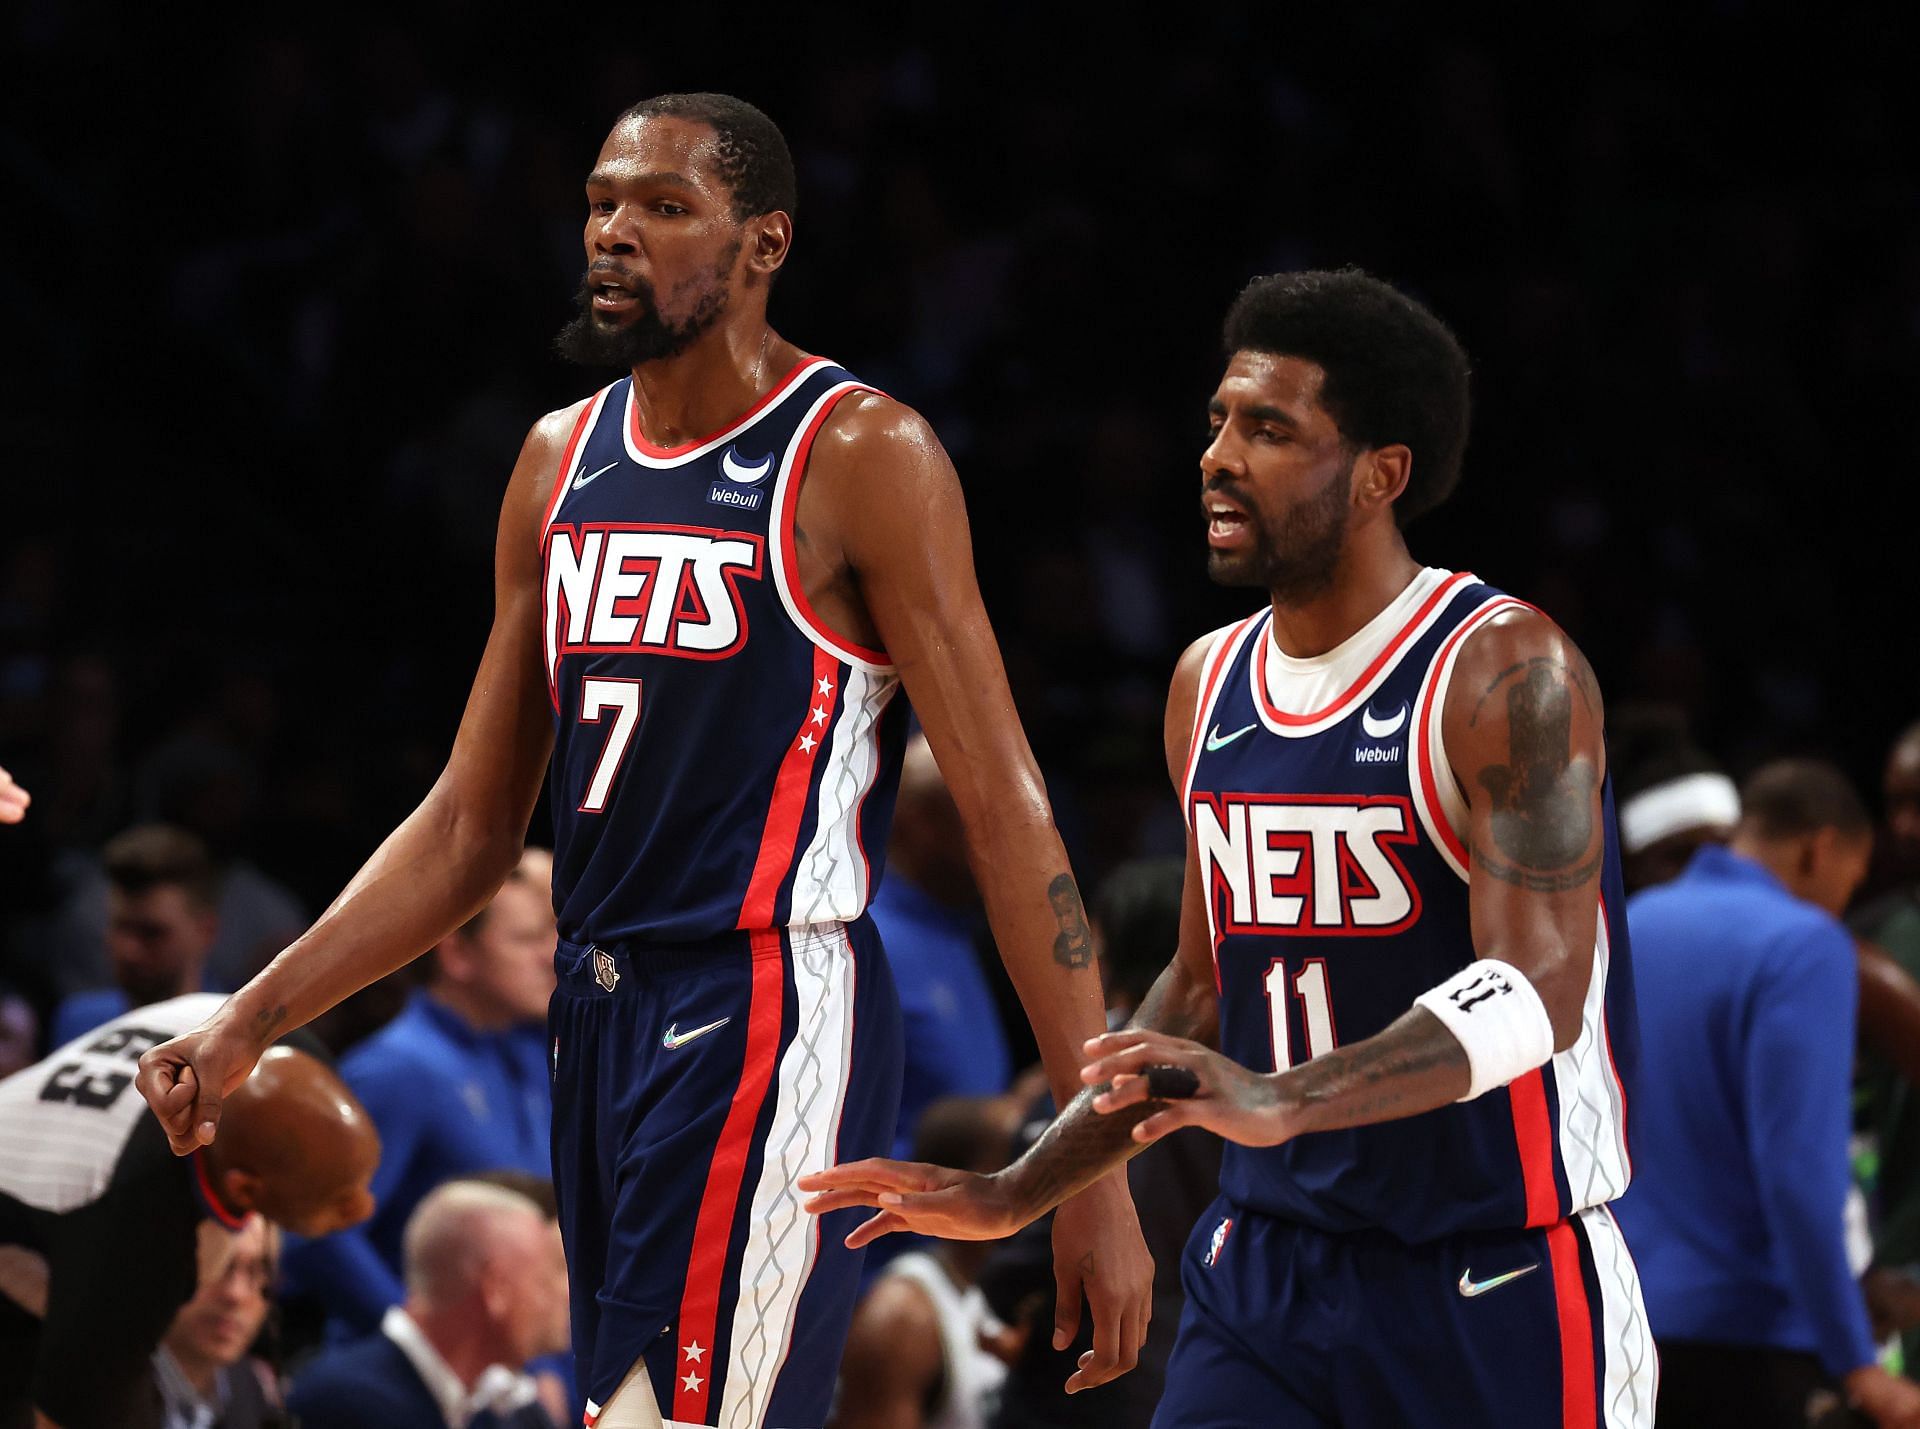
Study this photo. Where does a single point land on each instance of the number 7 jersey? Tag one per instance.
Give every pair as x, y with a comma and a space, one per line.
722, 760
1330, 837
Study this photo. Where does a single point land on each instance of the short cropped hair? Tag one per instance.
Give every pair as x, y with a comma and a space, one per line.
150, 856
754, 159
1791, 798
1394, 373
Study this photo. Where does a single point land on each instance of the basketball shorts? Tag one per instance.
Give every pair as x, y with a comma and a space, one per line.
692, 1087
1287, 1327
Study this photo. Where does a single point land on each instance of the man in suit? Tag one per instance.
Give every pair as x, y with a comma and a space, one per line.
486, 1292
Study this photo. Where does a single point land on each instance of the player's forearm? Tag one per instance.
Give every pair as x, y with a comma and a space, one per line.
433, 872
1415, 1065
1040, 926
1083, 1145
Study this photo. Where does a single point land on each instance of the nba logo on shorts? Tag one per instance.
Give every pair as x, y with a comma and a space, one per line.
604, 972
1219, 1240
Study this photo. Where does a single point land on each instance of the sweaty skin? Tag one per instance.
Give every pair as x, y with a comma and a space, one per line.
297, 1146
885, 558
1522, 725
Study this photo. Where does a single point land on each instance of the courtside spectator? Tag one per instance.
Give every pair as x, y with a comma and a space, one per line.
486, 1291
457, 1083
1747, 991
163, 897
1672, 795
206, 1377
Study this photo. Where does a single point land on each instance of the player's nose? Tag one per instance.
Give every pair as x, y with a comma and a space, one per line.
616, 233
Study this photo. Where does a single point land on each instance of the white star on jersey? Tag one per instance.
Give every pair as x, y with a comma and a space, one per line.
819, 714
826, 685
807, 743
692, 1381
693, 1351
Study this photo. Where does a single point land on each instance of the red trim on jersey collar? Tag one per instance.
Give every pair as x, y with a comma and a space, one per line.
203, 1183
780, 389
1279, 716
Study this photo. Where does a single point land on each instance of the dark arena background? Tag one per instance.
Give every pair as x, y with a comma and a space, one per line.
281, 292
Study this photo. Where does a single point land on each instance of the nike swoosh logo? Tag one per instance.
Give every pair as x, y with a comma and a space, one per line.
1470, 1287
737, 470
675, 1038
1381, 728
1217, 740
580, 481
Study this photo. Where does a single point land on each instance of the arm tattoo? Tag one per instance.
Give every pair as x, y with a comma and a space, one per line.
1073, 948
1542, 798
267, 1021
1381, 1078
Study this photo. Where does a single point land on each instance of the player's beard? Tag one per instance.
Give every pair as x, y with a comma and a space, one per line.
593, 340
1297, 561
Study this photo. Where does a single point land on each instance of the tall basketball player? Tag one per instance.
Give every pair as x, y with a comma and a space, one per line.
1402, 926
714, 578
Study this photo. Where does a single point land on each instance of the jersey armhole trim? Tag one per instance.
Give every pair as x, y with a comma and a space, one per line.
786, 574
1219, 657
581, 426
1437, 797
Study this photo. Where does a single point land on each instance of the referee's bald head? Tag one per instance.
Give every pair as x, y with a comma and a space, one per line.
296, 1146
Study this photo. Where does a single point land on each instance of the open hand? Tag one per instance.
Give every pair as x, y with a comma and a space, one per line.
13, 800
1100, 1257
911, 1196
1239, 1104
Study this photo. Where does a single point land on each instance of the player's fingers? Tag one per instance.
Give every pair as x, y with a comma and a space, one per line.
1108, 1042
1066, 1303
206, 1114
827, 1201
1128, 1089
873, 1228
1104, 1361
1177, 1115
1168, 1053
875, 1172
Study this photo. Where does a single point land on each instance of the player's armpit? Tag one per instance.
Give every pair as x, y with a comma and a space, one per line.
1523, 729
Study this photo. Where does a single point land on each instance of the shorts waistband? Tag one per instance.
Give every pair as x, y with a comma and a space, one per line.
578, 961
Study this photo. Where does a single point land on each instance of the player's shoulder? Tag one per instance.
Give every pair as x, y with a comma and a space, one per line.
551, 431
1516, 640
867, 424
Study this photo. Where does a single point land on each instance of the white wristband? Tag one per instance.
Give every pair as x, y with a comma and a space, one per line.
1498, 1018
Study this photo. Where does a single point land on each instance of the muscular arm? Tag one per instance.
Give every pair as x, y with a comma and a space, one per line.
435, 870
882, 502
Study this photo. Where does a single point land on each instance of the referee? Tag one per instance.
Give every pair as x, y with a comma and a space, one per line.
103, 1228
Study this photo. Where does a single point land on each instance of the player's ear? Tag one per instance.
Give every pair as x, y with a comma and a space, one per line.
240, 1189
769, 239
1380, 475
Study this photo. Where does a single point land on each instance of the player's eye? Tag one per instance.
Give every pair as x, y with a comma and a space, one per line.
602, 205
671, 210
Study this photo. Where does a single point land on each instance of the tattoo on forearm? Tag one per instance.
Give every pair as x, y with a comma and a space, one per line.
1542, 798
1079, 1148
267, 1021
1398, 1073
1073, 947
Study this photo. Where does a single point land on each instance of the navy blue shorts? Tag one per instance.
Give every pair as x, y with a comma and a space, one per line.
692, 1086
1286, 1327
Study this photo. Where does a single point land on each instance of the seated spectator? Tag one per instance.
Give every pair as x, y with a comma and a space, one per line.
207, 1379
486, 1291
918, 1354
928, 910
162, 897
1747, 991
1672, 795
457, 1083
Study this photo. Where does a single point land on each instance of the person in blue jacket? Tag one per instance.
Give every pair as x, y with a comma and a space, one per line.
1747, 997
456, 1084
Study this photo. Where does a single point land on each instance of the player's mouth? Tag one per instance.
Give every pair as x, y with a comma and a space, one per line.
1228, 525
612, 298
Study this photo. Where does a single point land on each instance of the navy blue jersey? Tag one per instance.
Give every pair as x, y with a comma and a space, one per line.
721, 760
1329, 832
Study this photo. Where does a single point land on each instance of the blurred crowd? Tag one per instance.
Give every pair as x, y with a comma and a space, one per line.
289, 300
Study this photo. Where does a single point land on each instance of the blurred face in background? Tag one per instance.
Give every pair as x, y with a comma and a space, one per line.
523, 1288
1834, 866
1901, 787
158, 940
503, 968
223, 1318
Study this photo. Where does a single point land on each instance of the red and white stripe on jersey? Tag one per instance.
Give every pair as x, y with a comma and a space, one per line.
786, 568
1219, 656
1590, 1134
779, 1241
1300, 724
830, 877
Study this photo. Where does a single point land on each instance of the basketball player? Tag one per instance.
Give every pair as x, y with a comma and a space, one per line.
1401, 925
714, 577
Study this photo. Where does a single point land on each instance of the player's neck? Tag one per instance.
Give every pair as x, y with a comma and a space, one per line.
712, 384
1366, 583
